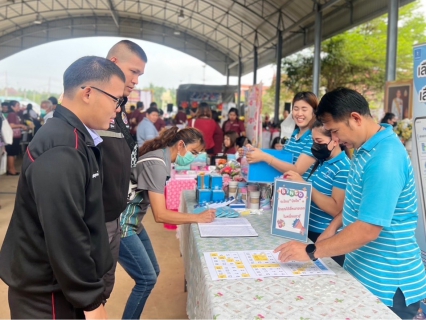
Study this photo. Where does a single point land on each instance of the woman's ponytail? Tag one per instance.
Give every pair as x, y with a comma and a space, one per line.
162, 141
170, 137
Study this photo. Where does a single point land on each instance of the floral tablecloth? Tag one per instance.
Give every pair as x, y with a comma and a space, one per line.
320, 297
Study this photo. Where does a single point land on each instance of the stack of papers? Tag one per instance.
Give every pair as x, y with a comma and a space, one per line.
228, 228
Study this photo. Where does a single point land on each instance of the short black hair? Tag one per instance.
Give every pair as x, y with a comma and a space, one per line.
129, 45
88, 69
53, 100
151, 110
388, 116
153, 105
340, 103
139, 105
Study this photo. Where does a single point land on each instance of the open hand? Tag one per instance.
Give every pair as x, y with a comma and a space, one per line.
255, 155
292, 250
293, 176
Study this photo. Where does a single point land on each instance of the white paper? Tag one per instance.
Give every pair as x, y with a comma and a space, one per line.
227, 227
259, 264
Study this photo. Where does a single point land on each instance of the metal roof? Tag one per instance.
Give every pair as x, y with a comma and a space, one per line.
213, 31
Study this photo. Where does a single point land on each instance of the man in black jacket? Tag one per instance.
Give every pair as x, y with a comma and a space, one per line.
56, 249
116, 153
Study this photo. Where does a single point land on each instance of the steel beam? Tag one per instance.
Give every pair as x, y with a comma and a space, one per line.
278, 76
392, 43
317, 50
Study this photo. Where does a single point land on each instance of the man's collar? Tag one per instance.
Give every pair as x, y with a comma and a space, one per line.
377, 137
68, 116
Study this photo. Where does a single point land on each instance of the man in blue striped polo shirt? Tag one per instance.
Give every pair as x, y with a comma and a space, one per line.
380, 211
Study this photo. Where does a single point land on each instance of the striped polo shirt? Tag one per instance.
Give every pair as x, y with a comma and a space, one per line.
300, 145
332, 173
381, 191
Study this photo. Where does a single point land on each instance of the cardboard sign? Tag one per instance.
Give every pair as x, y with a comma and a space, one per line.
291, 208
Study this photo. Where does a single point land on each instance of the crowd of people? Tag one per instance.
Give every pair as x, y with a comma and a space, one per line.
104, 169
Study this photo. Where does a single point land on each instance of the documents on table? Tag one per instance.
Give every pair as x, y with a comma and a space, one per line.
259, 264
227, 227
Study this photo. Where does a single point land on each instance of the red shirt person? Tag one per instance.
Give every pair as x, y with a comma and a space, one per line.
233, 123
203, 121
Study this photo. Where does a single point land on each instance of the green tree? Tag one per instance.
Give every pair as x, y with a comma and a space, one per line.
357, 58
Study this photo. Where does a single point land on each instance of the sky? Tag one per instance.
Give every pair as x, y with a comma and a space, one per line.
40, 68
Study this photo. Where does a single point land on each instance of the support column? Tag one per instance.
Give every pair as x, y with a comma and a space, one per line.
255, 65
391, 48
240, 71
227, 75
255, 58
278, 77
317, 50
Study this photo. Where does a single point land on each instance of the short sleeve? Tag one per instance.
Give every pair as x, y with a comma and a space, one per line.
151, 176
341, 178
383, 181
12, 118
307, 145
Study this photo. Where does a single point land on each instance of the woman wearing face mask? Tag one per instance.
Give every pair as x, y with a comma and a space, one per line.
148, 180
328, 178
390, 118
300, 143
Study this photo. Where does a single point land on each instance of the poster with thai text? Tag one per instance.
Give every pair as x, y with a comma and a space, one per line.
291, 208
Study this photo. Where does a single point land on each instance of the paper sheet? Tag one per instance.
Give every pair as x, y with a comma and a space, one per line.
227, 227
259, 264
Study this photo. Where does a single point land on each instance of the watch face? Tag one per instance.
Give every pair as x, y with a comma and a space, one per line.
310, 248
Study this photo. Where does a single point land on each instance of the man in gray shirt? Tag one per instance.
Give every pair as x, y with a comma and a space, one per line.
146, 129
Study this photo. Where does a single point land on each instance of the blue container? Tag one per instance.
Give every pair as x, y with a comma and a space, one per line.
204, 196
203, 181
263, 172
218, 195
216, 182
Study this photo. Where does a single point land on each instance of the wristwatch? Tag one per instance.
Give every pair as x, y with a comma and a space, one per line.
310, 250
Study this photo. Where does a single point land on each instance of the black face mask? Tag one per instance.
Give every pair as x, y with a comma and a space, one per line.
320, 151
394, 124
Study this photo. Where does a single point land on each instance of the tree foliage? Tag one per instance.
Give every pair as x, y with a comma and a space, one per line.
357, 58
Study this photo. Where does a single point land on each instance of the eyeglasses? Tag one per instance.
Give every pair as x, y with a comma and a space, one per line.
119, 101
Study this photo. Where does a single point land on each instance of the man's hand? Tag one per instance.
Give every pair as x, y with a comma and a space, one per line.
98, 313
293, 176
292, 250
207, 216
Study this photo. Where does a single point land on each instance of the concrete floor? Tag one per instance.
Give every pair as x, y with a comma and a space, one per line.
167, 300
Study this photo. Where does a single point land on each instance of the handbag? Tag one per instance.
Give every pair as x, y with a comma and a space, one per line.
6, 131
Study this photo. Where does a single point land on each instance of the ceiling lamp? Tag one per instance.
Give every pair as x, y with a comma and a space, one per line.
38, 20
181, 16
176, 32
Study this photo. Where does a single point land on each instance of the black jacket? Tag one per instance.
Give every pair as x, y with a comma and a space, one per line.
116, 158
57, 240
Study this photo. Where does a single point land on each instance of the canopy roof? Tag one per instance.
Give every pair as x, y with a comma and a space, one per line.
216, 32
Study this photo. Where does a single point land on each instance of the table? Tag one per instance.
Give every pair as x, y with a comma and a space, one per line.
320, 297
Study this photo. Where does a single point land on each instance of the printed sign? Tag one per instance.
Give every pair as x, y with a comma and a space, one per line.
291, 208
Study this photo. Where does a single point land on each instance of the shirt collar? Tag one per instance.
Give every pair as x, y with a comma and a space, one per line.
376, 138
339, 157
96, 138
296, 132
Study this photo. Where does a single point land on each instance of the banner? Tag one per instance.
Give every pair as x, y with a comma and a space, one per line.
253, 115
418, 157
